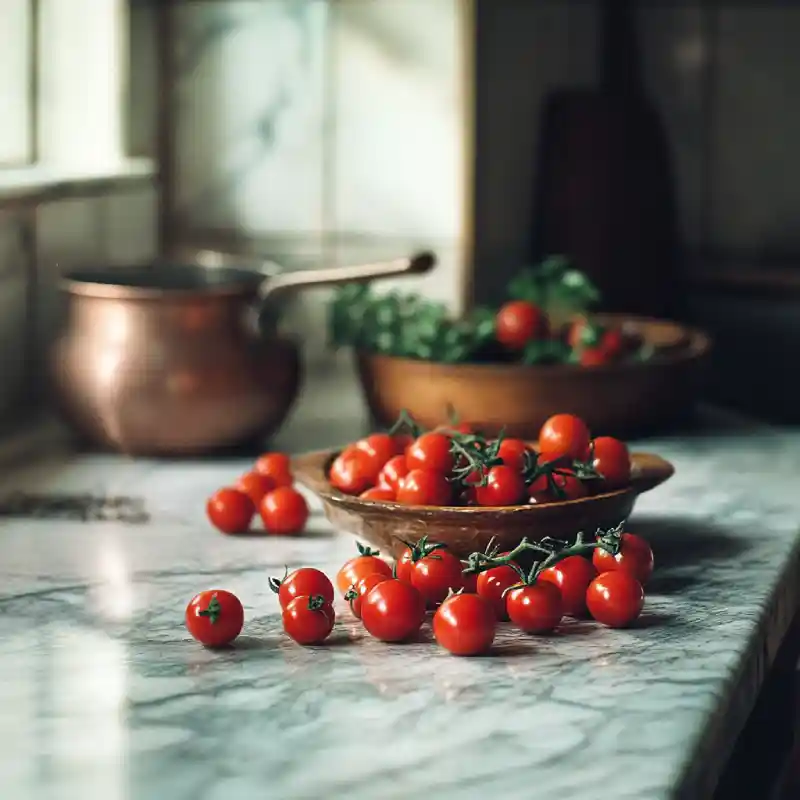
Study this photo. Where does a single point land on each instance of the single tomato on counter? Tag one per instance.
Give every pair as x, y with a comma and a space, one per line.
572, 576
634, 557
308, 620
230, 511
615, 599
305, 581
367, 562
255, 486
535, 608
431, 569
393, 611
465, 625
356, 594
277, 466
215, 617
284, 511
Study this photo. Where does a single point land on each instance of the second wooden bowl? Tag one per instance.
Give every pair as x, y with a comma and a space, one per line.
466, 530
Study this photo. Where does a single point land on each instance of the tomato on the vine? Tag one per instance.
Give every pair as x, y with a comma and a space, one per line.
504, 487
512, 453
635, 557
230, 510
379, 493
519, 322
613, 461
284, 511
356, 594
572, 576
430, 451
379, 447
435, 574
308, 619
306, 581
215, 618
393, 611
367, 562
564, 436
351, 471
568, 487
492, 585
615, 599
255, 486
278, 466
393, 472
465, 625
536, 608
425, 487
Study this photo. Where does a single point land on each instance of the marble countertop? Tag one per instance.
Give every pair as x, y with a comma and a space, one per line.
102, 694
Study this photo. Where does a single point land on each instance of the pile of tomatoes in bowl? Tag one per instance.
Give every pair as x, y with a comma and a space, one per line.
602, 579
455, 465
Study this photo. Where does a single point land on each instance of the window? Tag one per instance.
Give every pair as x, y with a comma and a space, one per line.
63, 94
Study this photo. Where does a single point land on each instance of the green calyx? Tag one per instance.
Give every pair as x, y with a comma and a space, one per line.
213, 610
276, 583
365, 550
316, 602
423, 549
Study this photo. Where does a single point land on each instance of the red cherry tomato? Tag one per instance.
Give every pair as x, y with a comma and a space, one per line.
277, 466
230, 511
594, 357
519, 322
367, 562
303, 582
613, 461
393, 611
362, 588
215, 618
405, 565
615, 599
425, 487
430, 451
504, 487
434, 575
564, 435
635, 557
380, 494
255, 486
535, 609
308, 620
491, 587
568, 487
284, 511
613, 343
465, 625
572, 576
393, 472
379, 447
351, 471
512, 452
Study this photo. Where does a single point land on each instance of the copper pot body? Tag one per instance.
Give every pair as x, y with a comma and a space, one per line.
166, 360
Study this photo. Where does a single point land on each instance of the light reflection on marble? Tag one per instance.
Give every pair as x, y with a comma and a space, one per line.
103, 694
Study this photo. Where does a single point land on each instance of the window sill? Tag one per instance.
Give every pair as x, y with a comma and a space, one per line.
43, 183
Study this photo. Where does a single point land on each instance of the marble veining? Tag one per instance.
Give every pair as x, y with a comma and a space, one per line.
103, 694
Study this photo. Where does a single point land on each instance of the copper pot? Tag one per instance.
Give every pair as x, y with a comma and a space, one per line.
172, 359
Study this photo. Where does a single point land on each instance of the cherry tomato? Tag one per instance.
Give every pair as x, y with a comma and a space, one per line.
277, 466
284, 511
491, 586
308, 620
512, 452
230, 511
564, 435
519, 322
571, 488
430, 451
535, 609
379, 493
425, 487
635, 557
405, 565
594, 357
572, 576
615, 599
504, 487
393, 611
613, 461
303, 582
356, 594
436, 574
215, 618
351, 471
613, 343
465, 625
255, 486
393, 472
367, 562
379, 447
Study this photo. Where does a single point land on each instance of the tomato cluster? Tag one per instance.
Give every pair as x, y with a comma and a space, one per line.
457, 466
520, 324
268, 491
392, 602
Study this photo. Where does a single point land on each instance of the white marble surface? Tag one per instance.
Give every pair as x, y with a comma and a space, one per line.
102, 694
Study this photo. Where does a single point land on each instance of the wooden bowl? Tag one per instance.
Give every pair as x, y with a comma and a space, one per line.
617, 399
466, 530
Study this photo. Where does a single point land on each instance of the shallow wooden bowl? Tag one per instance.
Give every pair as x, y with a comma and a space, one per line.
466, 530
615, 399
